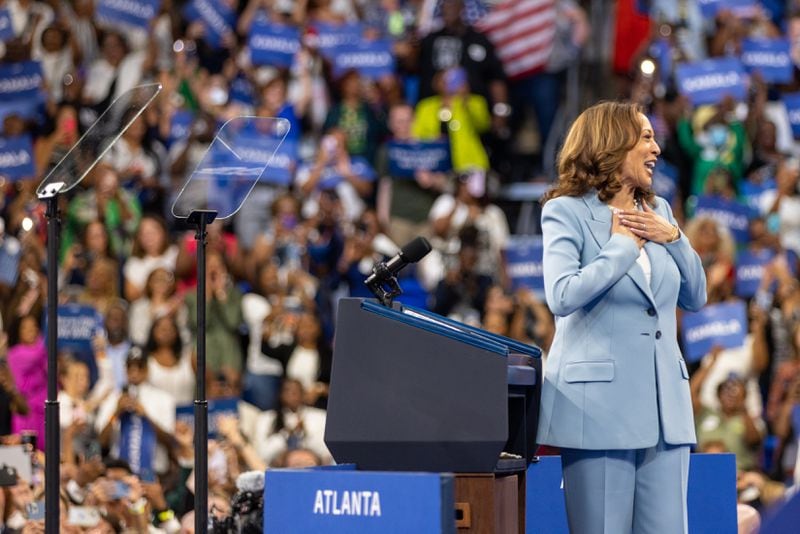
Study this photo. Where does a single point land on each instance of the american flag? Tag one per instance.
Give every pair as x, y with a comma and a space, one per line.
522, 32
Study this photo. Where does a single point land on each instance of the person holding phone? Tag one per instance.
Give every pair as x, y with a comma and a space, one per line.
457, 114
224, 301
11, 400
782, 206
138, 399
27, 361
615, 395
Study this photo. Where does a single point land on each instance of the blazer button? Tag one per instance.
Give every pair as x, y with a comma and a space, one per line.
658, 334
651, 311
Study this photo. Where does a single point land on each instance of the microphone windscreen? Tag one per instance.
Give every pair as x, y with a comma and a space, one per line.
252, 481
415, 250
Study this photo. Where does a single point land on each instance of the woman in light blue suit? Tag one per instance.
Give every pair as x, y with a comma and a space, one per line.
615, 396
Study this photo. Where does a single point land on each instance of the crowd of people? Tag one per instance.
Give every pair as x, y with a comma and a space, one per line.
276, 270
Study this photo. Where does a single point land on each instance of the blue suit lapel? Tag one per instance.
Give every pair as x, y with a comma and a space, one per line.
600, 228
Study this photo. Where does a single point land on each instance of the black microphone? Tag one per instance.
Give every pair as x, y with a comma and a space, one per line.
410, 253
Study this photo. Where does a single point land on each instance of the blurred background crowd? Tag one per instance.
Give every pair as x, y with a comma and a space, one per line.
497, 82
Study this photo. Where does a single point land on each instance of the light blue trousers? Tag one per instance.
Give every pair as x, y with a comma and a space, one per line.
641, 491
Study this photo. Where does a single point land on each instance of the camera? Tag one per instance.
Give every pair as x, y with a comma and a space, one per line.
28, 440
247, 507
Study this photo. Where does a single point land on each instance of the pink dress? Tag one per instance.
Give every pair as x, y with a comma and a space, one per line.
28, 365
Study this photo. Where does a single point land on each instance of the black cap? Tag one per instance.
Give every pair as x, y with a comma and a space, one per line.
136, 356
8, 476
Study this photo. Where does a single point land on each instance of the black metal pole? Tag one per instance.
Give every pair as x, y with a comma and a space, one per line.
201, 219
52, 428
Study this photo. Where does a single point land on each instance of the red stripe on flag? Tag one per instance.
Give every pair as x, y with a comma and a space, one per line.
522, 32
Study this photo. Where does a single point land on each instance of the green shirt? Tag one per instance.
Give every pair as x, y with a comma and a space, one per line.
712, 425
223, 349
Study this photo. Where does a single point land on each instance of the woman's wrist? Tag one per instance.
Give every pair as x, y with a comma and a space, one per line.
676, 234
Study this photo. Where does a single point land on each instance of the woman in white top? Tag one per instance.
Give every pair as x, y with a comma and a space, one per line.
293, 426
170, 368
77, 407
469, 206
159, 299
783, 204
151, 250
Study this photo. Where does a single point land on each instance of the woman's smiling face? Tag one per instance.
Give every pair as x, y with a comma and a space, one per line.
639, 164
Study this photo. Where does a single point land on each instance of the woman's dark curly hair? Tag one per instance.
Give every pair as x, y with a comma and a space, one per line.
595, 149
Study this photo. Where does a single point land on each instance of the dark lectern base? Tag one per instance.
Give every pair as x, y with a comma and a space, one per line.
490, 503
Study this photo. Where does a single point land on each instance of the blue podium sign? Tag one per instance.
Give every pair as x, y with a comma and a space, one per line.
712, 493
711, 496
545, 511
357, 502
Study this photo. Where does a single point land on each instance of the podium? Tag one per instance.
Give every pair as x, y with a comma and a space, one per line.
414, 391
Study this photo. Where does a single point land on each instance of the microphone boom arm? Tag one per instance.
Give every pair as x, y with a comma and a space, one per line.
378, 286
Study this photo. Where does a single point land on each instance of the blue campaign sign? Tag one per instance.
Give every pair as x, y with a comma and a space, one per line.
137, 443
6, 29
792, 103
751, 192
78, 324
10, 253
128, 13
16, 157
708, 81
770, 57
406, 158
661, 50
27, 108
750, 270
524, 263
273, 44
279, 158
358, 166
735, 216
665, 180
332, 36
718, 324
372, 59
180, 125
283, 164
21, 81
357, 502
216, 407
215, 15
709, 8
242, 91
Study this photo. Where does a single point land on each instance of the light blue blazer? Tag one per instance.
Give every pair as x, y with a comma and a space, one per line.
614, 367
